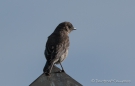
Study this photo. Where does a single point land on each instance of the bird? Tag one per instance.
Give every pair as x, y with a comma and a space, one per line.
57, 45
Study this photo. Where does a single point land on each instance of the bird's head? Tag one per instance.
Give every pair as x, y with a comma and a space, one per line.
65, 26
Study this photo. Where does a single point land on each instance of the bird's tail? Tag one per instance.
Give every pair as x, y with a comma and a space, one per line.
48, 67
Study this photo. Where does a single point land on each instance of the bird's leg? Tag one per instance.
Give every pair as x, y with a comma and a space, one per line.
62, 68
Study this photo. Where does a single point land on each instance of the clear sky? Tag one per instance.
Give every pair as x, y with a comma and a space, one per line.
102, 47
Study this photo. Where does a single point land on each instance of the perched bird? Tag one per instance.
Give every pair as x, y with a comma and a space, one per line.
57, 46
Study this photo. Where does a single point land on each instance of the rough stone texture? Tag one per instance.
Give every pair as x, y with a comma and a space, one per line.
56, 79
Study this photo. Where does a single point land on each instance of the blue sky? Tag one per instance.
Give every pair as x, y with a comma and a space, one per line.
102, 47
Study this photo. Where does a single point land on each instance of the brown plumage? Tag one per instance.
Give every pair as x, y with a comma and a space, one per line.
57, 46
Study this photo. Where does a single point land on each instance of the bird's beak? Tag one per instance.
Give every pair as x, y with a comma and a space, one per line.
74, 29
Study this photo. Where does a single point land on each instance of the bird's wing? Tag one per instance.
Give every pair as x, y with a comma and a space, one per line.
55, 51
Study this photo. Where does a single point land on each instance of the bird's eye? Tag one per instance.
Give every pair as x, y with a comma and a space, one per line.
69, 26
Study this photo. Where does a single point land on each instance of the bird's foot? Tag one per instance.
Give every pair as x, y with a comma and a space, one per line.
62, 71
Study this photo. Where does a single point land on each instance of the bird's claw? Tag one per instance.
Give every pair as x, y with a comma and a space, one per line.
62, 71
